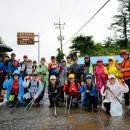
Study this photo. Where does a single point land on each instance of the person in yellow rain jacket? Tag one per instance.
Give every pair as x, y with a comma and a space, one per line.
111, 68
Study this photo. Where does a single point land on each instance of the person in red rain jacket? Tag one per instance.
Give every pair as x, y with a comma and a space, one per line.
71, 88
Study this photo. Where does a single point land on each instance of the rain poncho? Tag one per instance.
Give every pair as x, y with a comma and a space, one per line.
118, 90
8, 85
44, 74
93, 92
113, 70
101, 77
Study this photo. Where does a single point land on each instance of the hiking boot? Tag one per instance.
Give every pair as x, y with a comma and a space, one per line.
51, 105
95, 110
37, 103
11, 104
76, 105
108, 113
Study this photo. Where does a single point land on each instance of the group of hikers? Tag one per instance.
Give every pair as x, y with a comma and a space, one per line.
26, 82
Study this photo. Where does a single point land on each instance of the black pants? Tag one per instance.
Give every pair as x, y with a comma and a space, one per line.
39, 97
127, 94
62, 93
107, 106
53, 96
91, 100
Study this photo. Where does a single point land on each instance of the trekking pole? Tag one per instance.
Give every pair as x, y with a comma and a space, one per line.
65, 104
28, 105
31, 104
69, 105
2, 104
14, 107
55, 110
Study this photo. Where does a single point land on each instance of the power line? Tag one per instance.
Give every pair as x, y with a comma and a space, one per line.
87, 22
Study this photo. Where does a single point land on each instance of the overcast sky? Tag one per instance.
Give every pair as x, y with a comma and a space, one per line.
40, 16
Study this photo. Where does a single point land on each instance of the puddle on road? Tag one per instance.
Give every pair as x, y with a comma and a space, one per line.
42, 118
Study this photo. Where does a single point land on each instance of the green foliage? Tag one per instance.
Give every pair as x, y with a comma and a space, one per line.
121, 24
60, 55
84, 44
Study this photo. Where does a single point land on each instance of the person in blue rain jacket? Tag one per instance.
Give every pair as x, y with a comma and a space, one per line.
15, 90
90, 96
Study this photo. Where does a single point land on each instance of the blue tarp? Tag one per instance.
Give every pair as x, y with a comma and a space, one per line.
104, 58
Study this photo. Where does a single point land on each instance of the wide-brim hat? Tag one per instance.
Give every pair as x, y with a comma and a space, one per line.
99, 60
124, 52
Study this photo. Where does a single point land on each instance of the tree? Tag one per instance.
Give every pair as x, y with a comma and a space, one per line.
60, 55
83, 44
121, 24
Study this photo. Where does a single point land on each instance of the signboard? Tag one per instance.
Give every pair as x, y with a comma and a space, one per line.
25, 38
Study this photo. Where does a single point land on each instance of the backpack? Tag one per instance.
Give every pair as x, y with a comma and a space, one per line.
69, 86
26, 89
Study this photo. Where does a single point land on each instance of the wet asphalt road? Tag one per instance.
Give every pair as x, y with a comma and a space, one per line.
42, 118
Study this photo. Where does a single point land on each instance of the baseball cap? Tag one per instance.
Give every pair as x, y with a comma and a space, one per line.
13, 53
43, 58
68, 57
71, 76
111, 76
88, 76
25, 56
63, 60
29, 60
52, 77
99, 60
53, 57
34, 74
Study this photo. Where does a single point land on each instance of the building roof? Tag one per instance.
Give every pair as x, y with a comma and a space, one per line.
104, 58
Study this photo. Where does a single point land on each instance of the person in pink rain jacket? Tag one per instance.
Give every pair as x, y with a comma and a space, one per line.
101, 77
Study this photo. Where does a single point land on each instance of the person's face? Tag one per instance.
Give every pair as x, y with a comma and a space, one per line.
88, 80
53, 60
16, 77
43, 61
110, 61
87, 59
68, 59
124, 55
25, 59
29, 62
75, 61
34, 77
34, 63
71, 80
112, 80
63, 63
12, 56
6, 58
99, 63
53, 81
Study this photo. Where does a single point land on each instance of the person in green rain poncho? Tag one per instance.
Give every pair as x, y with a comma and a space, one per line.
42, 70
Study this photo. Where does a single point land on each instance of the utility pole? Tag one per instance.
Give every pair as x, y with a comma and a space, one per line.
60, 37
38, 46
